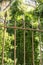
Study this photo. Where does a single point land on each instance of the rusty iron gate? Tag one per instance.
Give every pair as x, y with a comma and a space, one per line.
24, 29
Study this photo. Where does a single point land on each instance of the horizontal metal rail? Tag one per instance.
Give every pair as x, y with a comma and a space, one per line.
22, 28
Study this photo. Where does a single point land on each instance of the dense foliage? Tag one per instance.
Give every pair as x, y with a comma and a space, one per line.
30, 19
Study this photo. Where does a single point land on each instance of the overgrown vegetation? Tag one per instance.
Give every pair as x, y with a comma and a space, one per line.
31, 19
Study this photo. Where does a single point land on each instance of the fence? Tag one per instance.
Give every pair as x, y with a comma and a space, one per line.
24, 42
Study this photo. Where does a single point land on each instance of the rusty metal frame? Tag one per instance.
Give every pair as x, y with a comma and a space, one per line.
16, 28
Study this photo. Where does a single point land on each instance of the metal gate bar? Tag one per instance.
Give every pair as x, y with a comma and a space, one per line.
24, 45
40, 40
4, 30
15, 45
20, 28
33, 63
40, 51
40, 43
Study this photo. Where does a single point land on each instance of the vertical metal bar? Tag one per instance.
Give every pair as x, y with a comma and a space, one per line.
24, 44
33, 63
40, 52
15, 45
40, 41
3, 42
3, 47
40, 49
